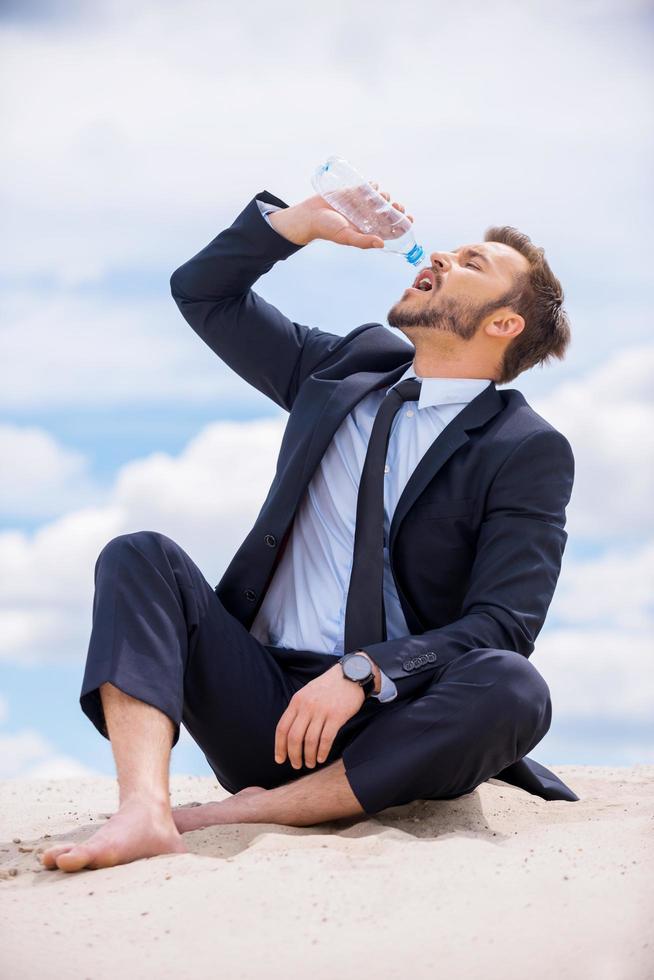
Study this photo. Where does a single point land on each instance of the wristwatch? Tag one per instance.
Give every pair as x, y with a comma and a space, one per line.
358, 668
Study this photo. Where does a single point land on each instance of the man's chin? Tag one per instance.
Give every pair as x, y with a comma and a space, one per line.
400, 314
401, 318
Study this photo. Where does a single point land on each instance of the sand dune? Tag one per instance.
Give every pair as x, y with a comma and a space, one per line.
496, 884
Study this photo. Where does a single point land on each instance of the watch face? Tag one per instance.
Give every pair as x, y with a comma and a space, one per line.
357, 667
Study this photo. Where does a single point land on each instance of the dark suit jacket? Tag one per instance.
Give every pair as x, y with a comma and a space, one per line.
477, 537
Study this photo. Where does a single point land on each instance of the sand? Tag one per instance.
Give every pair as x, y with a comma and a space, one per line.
496, 884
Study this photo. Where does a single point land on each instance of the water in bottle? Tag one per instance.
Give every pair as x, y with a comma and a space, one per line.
352, 195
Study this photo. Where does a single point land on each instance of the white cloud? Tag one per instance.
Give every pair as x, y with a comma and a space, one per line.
599, 673
206, 499
27, 754
58, 767
608, 417
127, 176
44, 477
133, 161
117, 353
613, 590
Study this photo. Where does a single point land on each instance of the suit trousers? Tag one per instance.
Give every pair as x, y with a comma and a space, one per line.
161, 634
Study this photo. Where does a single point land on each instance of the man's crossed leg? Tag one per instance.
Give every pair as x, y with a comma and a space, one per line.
163, 649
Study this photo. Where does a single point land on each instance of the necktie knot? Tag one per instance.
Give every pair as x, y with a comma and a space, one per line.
407, 390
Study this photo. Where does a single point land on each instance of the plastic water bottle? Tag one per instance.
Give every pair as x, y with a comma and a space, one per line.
352, 195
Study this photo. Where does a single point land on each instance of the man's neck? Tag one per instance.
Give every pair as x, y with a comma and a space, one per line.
425, 367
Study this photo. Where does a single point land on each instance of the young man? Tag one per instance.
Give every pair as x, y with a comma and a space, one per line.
376, 624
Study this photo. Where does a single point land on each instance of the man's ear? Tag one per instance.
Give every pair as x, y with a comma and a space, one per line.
505, 323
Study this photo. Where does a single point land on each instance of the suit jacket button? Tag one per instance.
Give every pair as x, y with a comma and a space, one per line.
250, 594
407, 665
431, 657
270, 540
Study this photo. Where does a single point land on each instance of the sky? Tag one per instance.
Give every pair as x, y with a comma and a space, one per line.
134, 134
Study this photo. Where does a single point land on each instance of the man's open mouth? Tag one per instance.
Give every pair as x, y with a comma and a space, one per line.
425, 280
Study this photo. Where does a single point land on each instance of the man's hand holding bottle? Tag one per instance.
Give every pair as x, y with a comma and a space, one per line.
314, 218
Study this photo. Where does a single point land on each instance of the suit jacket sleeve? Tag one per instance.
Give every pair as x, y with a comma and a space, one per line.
516, 567
213, 292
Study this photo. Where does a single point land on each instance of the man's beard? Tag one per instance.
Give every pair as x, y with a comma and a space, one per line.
459, 317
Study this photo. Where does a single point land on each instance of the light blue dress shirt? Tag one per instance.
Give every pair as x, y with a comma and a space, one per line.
304, 605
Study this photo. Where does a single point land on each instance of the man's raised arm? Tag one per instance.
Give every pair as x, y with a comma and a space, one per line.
213, 292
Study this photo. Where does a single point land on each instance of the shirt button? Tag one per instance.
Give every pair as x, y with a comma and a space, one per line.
387, 469
409, 413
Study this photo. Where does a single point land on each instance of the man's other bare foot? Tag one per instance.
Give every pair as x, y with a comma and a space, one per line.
195, 816
138, 829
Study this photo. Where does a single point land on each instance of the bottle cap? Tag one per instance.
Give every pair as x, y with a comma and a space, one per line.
415, 255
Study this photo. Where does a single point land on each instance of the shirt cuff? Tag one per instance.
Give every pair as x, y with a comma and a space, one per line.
266, 209
388, 690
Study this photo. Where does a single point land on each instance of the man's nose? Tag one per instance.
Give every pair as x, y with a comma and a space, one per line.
441, 260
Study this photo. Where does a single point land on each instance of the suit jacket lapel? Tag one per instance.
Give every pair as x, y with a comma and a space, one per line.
349, 391
478, 411
339, 403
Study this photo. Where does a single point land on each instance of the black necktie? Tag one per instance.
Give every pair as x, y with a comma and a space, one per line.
364, 613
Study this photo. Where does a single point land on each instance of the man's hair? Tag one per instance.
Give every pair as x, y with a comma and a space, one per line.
538, 297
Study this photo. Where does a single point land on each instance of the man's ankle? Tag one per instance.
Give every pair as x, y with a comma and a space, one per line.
154, 800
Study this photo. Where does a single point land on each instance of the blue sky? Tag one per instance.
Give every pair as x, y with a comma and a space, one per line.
139, 134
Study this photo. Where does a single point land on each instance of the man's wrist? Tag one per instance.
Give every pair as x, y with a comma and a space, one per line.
292, 223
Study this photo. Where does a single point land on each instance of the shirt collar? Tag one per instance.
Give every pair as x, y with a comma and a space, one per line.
445, 391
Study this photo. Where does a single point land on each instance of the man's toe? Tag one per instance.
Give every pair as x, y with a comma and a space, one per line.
48, 858
74, 859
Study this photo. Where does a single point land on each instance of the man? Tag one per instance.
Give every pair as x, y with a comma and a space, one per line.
376, 623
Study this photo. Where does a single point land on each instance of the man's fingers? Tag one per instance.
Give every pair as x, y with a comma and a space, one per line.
281, 732
356, 238
311, 740
373, 183
327, 737
295, 740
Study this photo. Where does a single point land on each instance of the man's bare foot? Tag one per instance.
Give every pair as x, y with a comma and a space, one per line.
195, 816
138, 829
